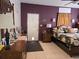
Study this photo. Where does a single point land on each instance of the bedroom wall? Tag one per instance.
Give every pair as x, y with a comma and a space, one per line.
6, 20
74, 16
78, 15
17, 12
47, 13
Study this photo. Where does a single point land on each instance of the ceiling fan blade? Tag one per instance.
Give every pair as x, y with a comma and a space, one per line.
70, 2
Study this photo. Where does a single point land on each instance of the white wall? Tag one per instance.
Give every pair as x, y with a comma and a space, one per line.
6, 20
17, 12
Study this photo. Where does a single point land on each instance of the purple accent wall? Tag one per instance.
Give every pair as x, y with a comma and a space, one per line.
47, 13
74, 13
74, 16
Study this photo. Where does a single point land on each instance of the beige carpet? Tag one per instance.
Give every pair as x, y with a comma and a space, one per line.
51, 51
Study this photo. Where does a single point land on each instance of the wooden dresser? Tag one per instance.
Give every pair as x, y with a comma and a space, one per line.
16, 50
47, 35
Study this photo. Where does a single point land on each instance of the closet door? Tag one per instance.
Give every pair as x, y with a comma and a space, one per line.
32, 26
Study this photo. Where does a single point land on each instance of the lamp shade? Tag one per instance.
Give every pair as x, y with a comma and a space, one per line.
48, 25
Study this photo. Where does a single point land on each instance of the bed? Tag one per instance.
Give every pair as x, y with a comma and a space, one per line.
68, 41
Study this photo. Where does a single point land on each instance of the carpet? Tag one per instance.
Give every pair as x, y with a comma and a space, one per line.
33, 46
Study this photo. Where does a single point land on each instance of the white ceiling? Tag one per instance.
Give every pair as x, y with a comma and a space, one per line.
52, 3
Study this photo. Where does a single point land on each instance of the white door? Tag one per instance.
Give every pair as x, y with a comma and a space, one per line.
32, 26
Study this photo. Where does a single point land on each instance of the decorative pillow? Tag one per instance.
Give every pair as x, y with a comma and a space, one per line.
75, 30
65, 30
60, 30
71, 30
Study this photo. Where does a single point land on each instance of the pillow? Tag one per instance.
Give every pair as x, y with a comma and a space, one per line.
71, 30
60, 30
65, 30
75, 30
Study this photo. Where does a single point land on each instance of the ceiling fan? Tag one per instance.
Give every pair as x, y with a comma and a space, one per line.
72, 1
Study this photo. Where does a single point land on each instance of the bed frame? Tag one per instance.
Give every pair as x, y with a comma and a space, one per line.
68, 48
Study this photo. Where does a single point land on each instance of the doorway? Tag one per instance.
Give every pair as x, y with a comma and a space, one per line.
32, 26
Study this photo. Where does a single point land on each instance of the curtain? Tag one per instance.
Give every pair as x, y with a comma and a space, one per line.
64, 19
